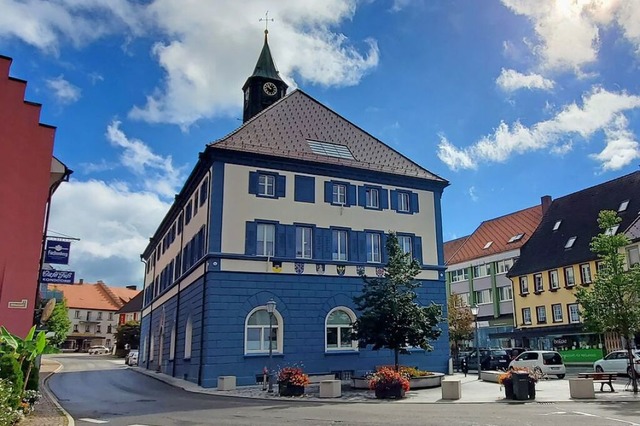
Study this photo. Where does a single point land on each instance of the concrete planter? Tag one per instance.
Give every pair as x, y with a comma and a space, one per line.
424, 382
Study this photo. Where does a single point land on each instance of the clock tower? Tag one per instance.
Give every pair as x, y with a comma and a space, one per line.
264, 86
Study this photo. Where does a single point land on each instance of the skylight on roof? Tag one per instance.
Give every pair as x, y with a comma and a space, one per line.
623, 205
486, 246
557, 225
515, 238
570, 242
330, 149
612, 230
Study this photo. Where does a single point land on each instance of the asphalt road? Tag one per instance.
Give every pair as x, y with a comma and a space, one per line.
102, 390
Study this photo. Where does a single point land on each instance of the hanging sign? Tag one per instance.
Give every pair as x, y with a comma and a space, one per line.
57, 277
57, 252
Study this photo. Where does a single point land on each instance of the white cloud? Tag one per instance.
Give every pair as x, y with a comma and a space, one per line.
398, 5
472, 194
64, 91
601, 110
158, 173
512, 80
568, 30
114, 224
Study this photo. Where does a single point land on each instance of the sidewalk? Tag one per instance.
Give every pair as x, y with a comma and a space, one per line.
474, 391
47, 411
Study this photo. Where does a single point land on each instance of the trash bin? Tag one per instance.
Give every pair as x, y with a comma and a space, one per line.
520, 385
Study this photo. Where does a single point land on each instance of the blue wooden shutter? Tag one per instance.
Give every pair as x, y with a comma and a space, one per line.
290, 245
383, 248
253, 182
281, 186
328, 192
362, 196
417, 249
305, 189
362, 246
318, 244
250, 239
414, 203
352, 246
281, 240
384, 199
351, 195
327, 240
394, 199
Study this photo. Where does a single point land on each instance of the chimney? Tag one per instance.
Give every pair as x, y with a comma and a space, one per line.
81, 281
132, 287
545, 200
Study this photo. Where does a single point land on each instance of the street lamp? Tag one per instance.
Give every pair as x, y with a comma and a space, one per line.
474, 312
271, 307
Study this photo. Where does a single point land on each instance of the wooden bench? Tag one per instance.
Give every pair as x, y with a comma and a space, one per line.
602, 378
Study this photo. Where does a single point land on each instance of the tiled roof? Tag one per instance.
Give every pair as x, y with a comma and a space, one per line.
133, 305
498, 231
578, 213
94, 296
633, 232
284, 128
452, 247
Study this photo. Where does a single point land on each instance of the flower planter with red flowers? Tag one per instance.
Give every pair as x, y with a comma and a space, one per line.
388, 383
291, 381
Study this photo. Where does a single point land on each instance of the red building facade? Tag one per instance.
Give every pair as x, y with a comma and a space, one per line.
30, 175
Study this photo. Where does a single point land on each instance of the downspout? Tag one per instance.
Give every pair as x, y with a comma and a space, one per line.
204, 282
153, 273
173, 373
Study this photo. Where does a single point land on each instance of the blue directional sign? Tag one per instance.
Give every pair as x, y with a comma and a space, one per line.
57, 252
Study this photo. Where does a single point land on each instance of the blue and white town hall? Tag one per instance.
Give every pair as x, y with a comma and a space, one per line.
293, 207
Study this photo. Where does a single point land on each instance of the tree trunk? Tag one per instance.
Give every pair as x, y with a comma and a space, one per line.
26, 377
396, 356
634, 375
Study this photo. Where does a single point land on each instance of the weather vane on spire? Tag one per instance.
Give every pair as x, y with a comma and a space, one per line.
266, 20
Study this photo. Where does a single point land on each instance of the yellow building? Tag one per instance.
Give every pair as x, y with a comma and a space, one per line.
557, 260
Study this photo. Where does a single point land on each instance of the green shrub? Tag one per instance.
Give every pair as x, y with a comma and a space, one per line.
9, 415
10, 370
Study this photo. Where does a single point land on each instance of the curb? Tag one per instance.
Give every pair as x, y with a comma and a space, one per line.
52, 397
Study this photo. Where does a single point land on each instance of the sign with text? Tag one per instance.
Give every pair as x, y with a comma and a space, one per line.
57, 252
57, 277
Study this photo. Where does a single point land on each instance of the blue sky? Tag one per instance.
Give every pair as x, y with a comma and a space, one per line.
509, 100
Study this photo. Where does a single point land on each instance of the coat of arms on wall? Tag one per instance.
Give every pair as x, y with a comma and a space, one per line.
380, 272
340, 269
276, 266
299, 267
360, 270
320, 269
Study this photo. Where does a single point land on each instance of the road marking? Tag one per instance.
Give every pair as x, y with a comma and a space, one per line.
93, 420
586, 414
622, 421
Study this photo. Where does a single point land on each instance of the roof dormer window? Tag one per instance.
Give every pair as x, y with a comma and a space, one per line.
557, 225
486, 246
623, 206
612, 230
330, 149
570, 242
515, 238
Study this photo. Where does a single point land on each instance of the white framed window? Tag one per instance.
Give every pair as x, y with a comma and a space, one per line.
188, 336
99, 315
152, 344
463, 301
172, 343
405, 244
483, 270
556, 226
569, 277
372, 198
537, 283
526, 315
266, 185
266, 235
574, 314
257, 331
553, 280
110, 316
633, 256
483, 297
374, 252
98, 328
403, 202
75, 328
304, 237
459, 275
339, 241
570, 242
503, 266
585, 273
524, 285
339, 193
541, 313
557, 312
77, 315
506, 293
339, 327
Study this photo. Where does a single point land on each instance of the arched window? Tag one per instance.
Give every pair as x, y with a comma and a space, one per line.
188, 333
257, 331
172, 343
339, 327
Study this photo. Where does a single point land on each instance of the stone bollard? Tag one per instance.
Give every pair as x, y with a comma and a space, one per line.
226, 383
581, 389
451, 389
330, 389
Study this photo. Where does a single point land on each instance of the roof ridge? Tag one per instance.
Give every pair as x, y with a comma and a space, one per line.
110, 294
509, 214
608, 182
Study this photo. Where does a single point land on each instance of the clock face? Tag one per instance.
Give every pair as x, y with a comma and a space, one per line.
270, 88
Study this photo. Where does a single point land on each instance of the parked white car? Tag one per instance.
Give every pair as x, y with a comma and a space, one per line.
131, 356
618, 362
545, 362
98, 350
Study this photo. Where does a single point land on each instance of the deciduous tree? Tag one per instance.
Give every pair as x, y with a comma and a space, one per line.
460, 322
59, 323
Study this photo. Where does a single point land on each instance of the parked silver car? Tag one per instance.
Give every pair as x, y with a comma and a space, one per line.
618, 362
98, 350
132, 357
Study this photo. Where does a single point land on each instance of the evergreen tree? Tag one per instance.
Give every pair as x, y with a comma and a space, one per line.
612, 303
389, 316
59, 323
